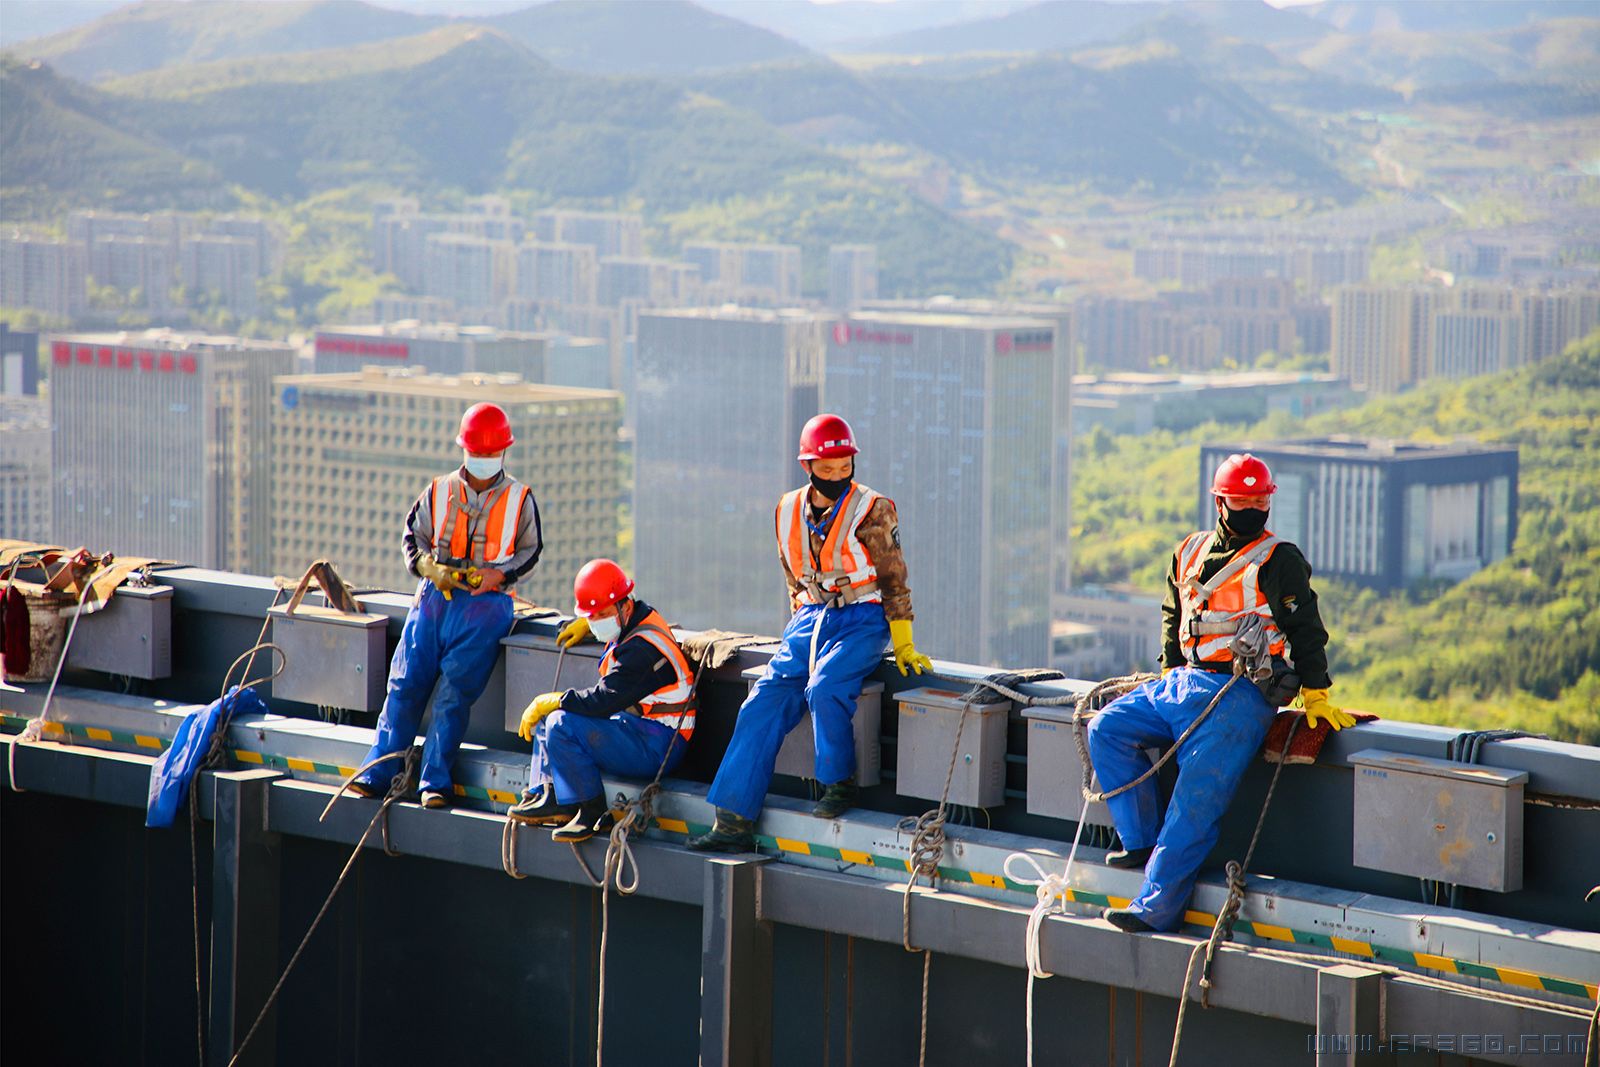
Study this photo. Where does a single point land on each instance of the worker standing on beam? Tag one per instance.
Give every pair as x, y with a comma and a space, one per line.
624, 724
469, 536
1217, 579
839, 543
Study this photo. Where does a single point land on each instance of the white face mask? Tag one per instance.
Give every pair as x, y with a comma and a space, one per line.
483, 467
605, 629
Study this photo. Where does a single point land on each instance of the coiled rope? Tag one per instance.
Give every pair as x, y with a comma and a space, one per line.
927, 849
636, 816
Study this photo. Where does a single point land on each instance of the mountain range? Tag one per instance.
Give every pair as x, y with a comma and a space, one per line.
716, 127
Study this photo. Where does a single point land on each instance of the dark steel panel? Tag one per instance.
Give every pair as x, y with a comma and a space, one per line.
735, 969
244, 915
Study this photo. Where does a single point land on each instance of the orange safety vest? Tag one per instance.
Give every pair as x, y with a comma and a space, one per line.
1211, 610
484, 535
671, 701
844, 574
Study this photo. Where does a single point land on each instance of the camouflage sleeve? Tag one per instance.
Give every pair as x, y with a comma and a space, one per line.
880, 533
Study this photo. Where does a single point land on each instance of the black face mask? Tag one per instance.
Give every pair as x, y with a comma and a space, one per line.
1244, 522
833, 489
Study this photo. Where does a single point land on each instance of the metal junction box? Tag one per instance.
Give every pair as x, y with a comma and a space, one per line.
131, 635
333, 659
929, 721
798, 756
1432, 818
531, 670
1055, 773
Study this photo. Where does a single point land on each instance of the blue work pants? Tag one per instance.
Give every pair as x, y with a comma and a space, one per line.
573, 751
449, 643
1210, 765
849, 644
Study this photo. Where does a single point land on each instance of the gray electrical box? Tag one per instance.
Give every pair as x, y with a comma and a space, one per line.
1432, 818
798, 756
1055, 773
131, 635
531, 670
929, 721
332, 659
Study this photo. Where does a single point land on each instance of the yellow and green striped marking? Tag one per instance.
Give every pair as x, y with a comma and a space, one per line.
1404, 957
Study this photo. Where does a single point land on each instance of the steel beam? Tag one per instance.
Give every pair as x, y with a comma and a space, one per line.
735, 968
1349, 1016
244, 914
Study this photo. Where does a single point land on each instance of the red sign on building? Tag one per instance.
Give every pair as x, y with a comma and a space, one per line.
63, 353
360, 346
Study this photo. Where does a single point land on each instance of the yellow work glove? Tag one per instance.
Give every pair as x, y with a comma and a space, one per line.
1317, 707
573, 632
443, 578
906, 655
542, 705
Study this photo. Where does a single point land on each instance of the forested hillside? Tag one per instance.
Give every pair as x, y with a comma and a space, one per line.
1517, 644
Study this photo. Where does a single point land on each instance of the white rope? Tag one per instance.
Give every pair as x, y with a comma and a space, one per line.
1050, 896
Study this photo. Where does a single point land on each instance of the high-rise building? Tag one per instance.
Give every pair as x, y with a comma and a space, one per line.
1469, 343
24, 468
45, 274
652, 282
400, 233
609, 233
1384, 514
443, 348
226, 268
955, 415
747, 272
720, 396
351, 453
852, 275
556, 273
161, 445
266, 235
472, 273
1065, 318
143, 264
1382, 336
1553, 320
19, 362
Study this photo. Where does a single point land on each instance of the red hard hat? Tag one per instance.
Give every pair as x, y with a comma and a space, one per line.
827, 437
485, 429
600, 584
1242, 475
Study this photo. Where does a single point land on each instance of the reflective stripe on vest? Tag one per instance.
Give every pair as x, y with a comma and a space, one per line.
667, 703
1211, 610
485, 535
844, 570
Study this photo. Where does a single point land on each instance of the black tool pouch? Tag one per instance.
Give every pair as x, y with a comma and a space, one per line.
1282, 686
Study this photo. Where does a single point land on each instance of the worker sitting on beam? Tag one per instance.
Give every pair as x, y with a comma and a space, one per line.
840, 546
636, 721
1219, 579
469, 536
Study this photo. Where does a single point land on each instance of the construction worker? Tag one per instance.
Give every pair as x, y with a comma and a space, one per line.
839, 543
470, 535
1217, 579
624, 724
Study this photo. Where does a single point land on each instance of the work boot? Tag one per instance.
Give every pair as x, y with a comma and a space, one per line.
1126, 921
591, 818
1129, 858
434, 800
731, 833
542, 809
365, 789
839, 798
